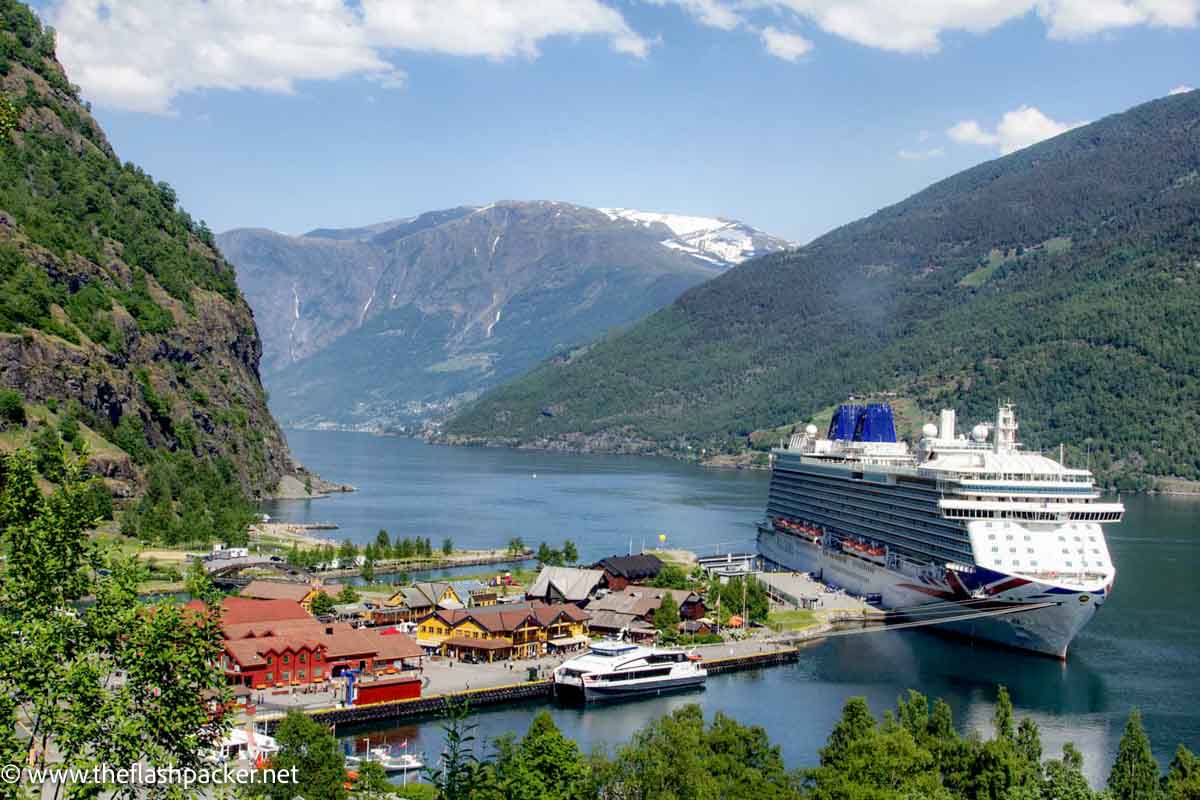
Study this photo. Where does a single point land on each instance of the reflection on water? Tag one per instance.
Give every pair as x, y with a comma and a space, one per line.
1141, 649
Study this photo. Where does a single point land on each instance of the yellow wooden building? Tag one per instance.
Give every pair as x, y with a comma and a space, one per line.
504, 631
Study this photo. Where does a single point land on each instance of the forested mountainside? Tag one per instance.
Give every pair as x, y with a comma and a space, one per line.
391, 324
1065, 277
121, 326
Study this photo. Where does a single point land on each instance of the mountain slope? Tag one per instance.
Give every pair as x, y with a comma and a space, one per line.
394, 323
116, 308
1065, 276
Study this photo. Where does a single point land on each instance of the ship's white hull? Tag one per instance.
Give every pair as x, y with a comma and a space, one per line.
1046, 630
568, 689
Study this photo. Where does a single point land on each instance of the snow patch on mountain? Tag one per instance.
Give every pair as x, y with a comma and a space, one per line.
712, 239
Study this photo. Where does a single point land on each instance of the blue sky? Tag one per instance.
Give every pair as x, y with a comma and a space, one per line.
793, 115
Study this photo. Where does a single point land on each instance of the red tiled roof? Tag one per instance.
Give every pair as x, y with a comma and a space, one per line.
251, 652
239, 610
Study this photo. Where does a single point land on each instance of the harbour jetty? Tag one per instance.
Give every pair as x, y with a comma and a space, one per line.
539, 690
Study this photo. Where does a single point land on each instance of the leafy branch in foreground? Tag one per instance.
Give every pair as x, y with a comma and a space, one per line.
115, 681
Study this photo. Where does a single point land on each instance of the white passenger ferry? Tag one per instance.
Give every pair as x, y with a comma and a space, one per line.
963, 523
612, 670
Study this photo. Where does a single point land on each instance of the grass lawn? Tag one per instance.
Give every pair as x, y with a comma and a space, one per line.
791, 620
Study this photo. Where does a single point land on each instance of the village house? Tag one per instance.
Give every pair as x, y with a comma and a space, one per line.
504, 631
474, 594
422, 599
273, 643
565, 585
631, 611
302, 593
621, 571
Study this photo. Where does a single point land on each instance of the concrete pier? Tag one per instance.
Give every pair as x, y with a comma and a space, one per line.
741, 658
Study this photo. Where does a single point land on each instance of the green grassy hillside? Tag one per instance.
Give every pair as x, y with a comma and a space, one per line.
1065, 277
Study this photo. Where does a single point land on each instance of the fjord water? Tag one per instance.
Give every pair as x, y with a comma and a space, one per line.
1142, 649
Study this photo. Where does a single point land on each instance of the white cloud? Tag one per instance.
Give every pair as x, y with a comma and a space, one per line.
493, 28
788, 46
917, 26
1181, 89
921, 155
713, 13
1016, 130
139, 55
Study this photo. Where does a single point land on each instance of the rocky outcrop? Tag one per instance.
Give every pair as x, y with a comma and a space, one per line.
116, 302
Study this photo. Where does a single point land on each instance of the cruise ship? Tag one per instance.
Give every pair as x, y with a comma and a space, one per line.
613, 670
965, 524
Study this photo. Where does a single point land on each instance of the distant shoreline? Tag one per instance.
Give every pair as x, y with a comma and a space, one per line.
1170, 486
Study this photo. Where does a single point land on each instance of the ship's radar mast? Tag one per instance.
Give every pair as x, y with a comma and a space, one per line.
1006, 429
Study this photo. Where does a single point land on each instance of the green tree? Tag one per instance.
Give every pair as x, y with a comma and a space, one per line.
368, 570
459, 773
12, 408
48, 451
545, 765
347, 594
1064, 779
666, 616
346, 552
1002, 719
372, 782
320, 766
516, 545
671, 576
1182, 781
570, 555
1134, 773
59, 664
322, 604
383, 543
447, 546
546, 556
855, 726
676, 757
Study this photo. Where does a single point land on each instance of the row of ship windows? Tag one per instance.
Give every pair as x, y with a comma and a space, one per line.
1066, 552
1016, 476
1043, 516
1008, 537
1016, 562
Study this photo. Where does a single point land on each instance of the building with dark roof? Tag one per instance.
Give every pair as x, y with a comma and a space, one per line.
620, 571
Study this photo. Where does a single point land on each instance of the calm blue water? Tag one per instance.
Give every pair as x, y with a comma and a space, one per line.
1141, 650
